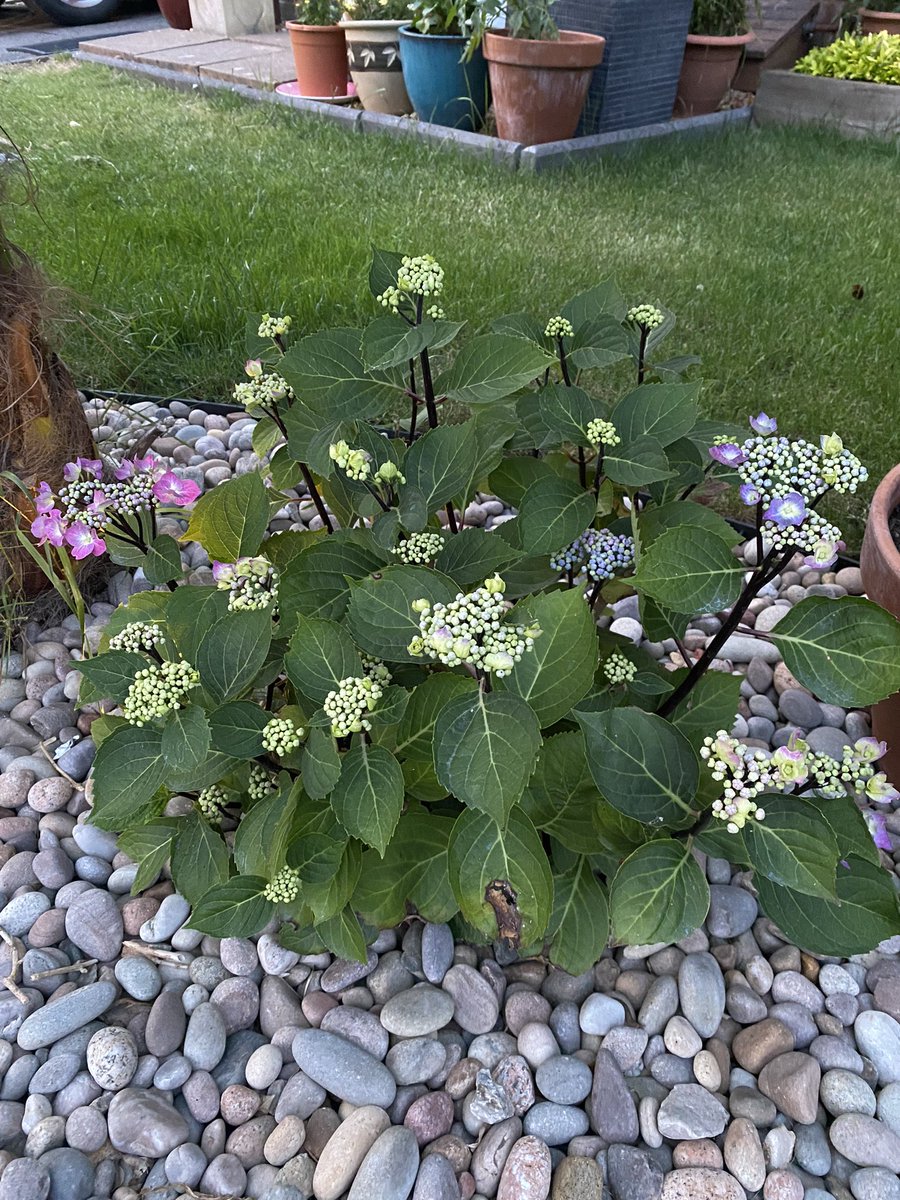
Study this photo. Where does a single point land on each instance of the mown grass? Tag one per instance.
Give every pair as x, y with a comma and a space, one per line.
166, 217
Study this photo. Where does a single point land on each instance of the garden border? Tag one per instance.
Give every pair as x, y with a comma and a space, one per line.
510, 155
852, 107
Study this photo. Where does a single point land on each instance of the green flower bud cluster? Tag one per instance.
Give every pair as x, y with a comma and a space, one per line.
251, 583
261, 783
356, 464
435, 312
618, 669
374, 668
647, 316
388, 474
264, 389
558, 327
138, 635
347, 705
471, 631
419, 548
421, 275
390, 298
273, 327
157, 690
284, 888
602, 432
211, 802
281, 736
805, 537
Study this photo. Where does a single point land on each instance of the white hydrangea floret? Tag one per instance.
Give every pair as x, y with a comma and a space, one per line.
647, 316
374, 668
274, 327
157, 690
138, 635
284, 888
419, 548
262, 390
559, 327
347, 705
281, 736
471, 631
602, 432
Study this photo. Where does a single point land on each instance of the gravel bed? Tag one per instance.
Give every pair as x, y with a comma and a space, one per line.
141, 1058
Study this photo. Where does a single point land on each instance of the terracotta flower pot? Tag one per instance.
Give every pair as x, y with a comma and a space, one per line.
373, 52
880, 566
873, 20
176, 12
709, 66
320, 59
539, 87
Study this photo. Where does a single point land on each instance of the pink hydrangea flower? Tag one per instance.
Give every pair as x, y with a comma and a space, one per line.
49, 527
43, 498
84, 541
172, 489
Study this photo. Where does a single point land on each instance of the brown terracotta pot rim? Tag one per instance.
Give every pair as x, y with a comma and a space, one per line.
880, 14
571, 51
885, 500
300, 28
739, 39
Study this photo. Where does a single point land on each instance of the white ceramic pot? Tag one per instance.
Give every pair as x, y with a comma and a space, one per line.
373, 54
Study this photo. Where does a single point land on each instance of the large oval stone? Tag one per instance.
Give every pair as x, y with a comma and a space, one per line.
144, 1123
344, 1069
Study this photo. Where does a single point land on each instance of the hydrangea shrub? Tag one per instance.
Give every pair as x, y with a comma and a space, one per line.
401, 714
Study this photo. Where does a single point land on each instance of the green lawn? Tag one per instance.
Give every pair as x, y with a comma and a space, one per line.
166, 216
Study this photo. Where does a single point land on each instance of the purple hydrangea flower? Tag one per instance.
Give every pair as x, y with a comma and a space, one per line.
824, 555
787, 510
86, 466
763, 424
49, 527
729, 454
44, 499
879, 790
84, 541
750, 494
171, 489
878, 829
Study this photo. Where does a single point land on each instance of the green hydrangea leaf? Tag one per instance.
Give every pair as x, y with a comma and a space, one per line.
200, 858
604, 299
343, 935
553, 512
490, 368
712, 704
321, 767
659, 894
150, 847
579, 925
690, 570
236, 729
845, 651
473, 556
368, 796
485, 748
413, 870
163, 560
560, 797
236, 908
109, 676
501, 877
381, 617
186, 739
327, 370
439, 463
636, 463
315, 582
229, 521
321, 654
664, 411
261, 840
128, 771
232, 653
793, 847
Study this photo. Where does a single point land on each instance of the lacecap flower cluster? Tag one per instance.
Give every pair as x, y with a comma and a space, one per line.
93, 499
747, 772
647, 316
347, 705
786, 478
263, 389
284, 888
603, 433
419, 548
597, 552
618, 669
274, 327
158, 689
472, 631
251, 583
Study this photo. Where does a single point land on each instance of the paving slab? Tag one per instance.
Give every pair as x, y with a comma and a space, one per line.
191, 58
136, 45
264, 68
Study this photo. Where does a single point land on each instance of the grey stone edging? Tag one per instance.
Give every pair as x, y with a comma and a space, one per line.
853, 108
511, 155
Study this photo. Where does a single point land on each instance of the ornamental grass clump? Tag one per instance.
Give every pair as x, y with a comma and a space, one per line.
398, 714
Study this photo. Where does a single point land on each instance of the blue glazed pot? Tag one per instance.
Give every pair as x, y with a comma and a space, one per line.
443, 89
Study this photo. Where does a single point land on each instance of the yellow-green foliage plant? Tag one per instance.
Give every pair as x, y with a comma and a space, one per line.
874, 58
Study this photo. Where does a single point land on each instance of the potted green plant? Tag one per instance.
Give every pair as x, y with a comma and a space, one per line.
539, 74
320, 49
443, 66
372, 29
885, 18
718, 33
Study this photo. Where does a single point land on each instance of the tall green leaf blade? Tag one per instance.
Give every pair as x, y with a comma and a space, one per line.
560, 797
553, 512
635, 464
845, 651
229, 521
320, 655
381, 618
232, 653
665, 411
864, 914
485, 748
321, 766
368, 796
236, 908
642, 765
186, 739
414, 869
689, 570
559, 670
501, 877
128, 771
579, 926
659, 894
793, 847
439, 463
199, 858
415, 737
491, 367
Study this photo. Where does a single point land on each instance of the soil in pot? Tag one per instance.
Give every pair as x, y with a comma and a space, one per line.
873, 20
373, 54
879, 563
320, 59
710, 64
443, 89
539, 87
